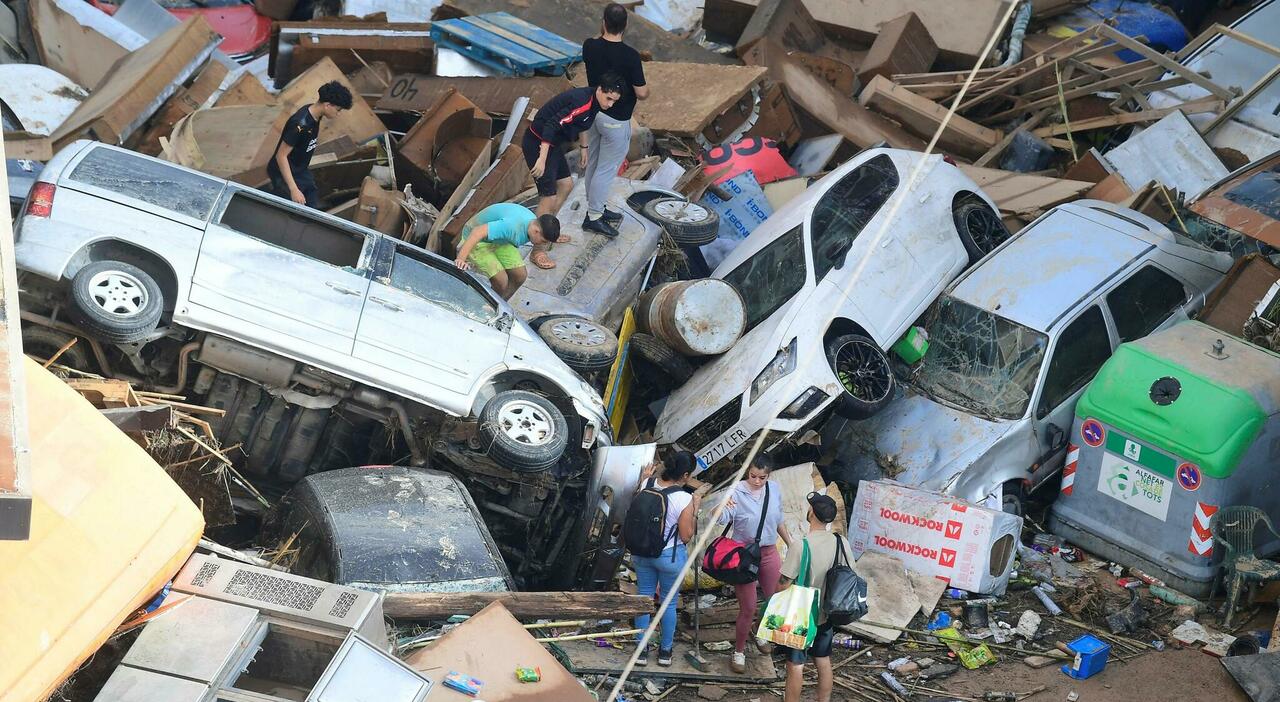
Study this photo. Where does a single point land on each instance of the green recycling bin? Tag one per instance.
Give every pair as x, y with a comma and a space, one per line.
1173, 428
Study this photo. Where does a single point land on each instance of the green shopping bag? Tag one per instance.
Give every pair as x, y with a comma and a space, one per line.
791, 617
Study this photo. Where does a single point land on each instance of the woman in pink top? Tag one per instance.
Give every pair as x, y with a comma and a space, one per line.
744, 508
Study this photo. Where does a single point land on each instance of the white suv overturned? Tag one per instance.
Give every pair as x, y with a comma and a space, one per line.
817, 285
320, 338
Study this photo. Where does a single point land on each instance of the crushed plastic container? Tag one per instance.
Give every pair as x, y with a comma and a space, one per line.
1091, 657
912, 346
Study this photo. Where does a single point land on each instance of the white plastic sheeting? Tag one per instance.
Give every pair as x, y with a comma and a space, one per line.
41, 98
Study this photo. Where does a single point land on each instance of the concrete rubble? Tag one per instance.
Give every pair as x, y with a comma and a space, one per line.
1001, 277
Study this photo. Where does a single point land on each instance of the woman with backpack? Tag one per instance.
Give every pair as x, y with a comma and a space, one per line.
659, 522
755, 510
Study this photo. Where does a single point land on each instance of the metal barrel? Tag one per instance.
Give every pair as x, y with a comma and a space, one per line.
694, 317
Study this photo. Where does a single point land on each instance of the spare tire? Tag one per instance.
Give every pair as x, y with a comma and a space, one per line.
653, 351
582, 344
523, 431
115, 302
687, 222
981, 229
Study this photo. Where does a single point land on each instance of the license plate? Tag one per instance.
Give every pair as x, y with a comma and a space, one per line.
721, 447
1135, 486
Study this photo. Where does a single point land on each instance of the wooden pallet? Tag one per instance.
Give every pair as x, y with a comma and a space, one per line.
507, 44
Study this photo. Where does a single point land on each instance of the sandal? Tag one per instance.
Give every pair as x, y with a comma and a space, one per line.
542, 260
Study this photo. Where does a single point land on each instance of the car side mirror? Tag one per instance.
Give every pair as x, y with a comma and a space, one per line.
1056, 437
504, 322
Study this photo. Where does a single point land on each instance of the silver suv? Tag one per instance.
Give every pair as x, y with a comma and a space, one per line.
318, 337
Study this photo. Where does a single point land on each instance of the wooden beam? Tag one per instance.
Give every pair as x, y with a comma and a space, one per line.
1205, 104
1028, 66
1164, 61
522, 605
1250, 94
922, 116
1245, 39
1123, 79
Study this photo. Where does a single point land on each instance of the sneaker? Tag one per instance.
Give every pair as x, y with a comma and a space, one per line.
644, 658
764, 647
664, 657
599, 226
610, 216
739, 662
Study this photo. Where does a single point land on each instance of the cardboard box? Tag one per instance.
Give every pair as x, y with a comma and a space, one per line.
971, 547
903, 45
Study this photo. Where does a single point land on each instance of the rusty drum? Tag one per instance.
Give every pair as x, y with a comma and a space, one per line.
694, 317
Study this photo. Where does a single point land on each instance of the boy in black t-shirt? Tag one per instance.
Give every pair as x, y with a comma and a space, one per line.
289, 168
610, 135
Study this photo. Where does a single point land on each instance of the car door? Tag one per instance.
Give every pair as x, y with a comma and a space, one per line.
874, 272
432, 326
1146, 301
280, 275
1080, 349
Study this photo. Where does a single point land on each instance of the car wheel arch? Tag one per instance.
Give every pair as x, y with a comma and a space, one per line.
116, 250
841, 326
515, 379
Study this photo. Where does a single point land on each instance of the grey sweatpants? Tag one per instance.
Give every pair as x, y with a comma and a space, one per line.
609, 140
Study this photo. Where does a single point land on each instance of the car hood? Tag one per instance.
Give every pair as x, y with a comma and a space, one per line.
916, 441
724, 377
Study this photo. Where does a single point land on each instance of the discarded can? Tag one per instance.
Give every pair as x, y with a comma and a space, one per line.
1049, 604
1146, 578
1130, 583
893, 684
956, 593
843, 640
976, 615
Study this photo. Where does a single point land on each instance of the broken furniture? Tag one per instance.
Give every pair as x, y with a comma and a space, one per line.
507, 44
296, 46
435, 155
238, 632
1234, 527
86, 567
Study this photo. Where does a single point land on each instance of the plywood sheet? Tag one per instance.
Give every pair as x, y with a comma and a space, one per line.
1170, 152
691, 94
359, 123
490, 646
139, 83
245, 90
225, 141
922, 116
1020, 193
417, 93
78, 40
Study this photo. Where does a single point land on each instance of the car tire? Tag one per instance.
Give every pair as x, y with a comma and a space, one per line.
687, 222
582, 344
981, 229
43, 343
523, 431
651, 349
865, 375
115, 301
1013, 498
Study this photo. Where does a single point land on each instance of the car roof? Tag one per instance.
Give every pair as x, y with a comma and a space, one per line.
1047, 268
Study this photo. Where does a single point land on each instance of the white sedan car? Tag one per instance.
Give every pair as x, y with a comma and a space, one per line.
820, 282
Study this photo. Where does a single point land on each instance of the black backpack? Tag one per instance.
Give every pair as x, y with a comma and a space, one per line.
844, 597
643, 529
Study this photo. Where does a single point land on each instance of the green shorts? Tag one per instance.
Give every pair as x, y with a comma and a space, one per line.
491, 259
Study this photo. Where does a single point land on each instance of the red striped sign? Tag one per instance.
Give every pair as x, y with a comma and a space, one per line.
1201, 541
1069, 470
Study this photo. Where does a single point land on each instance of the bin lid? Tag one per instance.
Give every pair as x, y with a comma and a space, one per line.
1173, 391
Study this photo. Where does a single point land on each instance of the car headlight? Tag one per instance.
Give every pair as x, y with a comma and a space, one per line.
805, 404
781, 365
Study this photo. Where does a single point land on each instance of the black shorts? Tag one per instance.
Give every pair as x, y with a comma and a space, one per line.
556, 168
821, 647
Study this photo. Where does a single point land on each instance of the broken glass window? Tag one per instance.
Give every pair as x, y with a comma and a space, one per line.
1219, 237
845, 210
770, 278
1260, 192
149, 180
440, 288
980, 361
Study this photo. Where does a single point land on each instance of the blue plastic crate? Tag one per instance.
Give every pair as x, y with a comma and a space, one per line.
1091, 657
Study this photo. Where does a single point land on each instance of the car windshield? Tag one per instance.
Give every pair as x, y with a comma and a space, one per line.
981, 361
771, 277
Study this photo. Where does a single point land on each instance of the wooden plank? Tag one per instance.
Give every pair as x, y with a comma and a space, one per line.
245, 90
995, 151
692, 94
1123, 79
1249, 95
826, 105
1206, 104
1244, 39
417, 93
1087, 77
581, 18
1024, 194
79, 52
1036, 66
137, 84
359, 123
181, 104
549, 41
1164, 61
522, 605
922, 117
786, 22
226, 141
